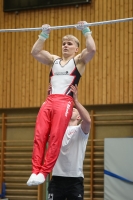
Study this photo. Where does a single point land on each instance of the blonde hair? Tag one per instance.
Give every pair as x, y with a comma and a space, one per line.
71, 37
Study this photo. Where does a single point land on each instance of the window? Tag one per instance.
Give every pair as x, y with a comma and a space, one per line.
16, 5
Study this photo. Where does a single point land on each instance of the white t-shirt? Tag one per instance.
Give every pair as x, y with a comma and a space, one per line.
72, 153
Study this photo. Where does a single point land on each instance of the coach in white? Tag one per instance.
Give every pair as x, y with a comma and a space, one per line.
67, 175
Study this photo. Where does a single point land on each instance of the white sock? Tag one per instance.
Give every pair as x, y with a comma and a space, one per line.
31, 179
39, 179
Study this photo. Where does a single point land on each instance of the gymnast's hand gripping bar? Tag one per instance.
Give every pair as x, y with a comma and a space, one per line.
67, 26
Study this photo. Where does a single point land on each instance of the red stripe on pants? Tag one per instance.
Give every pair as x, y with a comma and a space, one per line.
52, 120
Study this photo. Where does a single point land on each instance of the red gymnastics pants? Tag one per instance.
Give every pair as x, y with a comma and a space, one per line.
52, 121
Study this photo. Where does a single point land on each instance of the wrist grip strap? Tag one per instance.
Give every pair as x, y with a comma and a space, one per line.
86, 30
43, 36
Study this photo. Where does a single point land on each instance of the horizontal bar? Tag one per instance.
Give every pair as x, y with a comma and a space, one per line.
67, 26
93, 23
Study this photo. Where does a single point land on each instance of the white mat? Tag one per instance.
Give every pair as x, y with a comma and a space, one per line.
118, 159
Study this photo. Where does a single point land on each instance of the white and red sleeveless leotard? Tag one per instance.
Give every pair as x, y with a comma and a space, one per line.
62, 77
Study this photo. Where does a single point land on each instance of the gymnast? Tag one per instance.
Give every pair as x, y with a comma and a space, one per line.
55, 113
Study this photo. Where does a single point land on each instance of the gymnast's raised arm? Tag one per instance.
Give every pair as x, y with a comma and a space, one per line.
87, 54
38, 52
